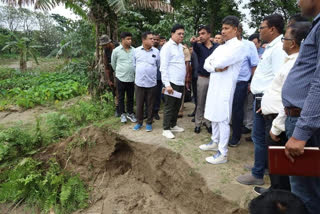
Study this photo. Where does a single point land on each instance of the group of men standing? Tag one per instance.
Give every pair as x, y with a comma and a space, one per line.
284, 82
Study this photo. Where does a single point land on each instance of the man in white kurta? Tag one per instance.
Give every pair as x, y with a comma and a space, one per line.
224, 66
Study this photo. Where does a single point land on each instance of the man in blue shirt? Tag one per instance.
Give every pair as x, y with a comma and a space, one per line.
203, 50
248, 66
301, 98
146, 61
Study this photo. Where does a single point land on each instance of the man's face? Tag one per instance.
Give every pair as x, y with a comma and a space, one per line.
156, 40
204, 36
218, 39
191, 49
127, 41
148, 42
265, 31
308, 7
162, 42
287, 42
178, 36
228, 32
256, 43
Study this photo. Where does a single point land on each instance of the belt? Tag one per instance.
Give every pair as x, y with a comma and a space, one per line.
204, 76
292, 111
270, 116
257, 95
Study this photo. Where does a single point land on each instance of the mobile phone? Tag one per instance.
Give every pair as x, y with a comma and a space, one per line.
257, 101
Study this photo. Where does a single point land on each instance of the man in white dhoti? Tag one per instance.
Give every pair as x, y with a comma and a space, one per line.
224, 66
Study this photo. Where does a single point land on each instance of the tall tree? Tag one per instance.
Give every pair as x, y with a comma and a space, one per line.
262, 8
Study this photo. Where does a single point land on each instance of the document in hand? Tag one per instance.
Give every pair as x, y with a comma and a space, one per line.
175, 94
307, 164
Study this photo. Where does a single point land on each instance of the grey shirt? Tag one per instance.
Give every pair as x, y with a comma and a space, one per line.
302, 86
146, 64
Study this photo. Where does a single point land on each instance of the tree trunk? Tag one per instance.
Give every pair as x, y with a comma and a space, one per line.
23, 62
97, 41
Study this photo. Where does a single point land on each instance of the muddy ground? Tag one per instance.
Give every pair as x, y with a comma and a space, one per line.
139, 172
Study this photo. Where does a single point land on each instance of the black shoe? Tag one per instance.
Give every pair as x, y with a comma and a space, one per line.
209, 129
156, 116
145, 116
249, 139
197, 130
192, 114
260, 190
231, 144
245, 130
193, 120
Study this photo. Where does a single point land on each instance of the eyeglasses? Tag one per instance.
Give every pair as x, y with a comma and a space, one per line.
284, 38
262, 27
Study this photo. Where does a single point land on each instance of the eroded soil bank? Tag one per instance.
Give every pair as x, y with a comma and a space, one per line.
129, 177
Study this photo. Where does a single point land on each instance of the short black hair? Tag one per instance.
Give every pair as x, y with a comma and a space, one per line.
275, 20
162, 37
176, 27
277, 202
299, 31
219, 33
145, 34
254, 36
205, 27
298, 18
125, 34
231, 20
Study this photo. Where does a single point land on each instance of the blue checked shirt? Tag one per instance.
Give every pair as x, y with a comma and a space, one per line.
302, 86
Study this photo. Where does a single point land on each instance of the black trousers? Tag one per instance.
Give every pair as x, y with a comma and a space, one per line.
171, 108
125, 89
277, 181
145, 95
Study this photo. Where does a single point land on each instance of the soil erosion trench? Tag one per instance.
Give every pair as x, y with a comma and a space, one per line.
129, 177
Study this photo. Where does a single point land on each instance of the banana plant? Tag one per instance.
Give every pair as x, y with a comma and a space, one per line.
25, 48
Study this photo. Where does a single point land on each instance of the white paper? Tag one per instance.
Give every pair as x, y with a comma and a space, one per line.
175, 94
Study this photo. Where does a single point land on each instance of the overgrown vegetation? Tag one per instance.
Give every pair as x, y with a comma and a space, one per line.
52, 188
27, 89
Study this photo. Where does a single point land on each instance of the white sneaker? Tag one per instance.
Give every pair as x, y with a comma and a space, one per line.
210, 146
168, 134
217, 159
177, 129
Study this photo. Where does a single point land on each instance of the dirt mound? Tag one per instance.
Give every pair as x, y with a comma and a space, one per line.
129, 177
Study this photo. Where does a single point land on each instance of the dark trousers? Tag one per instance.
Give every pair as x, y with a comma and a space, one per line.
277, 181
306, 188
260, 146
239, 98
158, 92
144, 95
194, 91
171, 108
125, 89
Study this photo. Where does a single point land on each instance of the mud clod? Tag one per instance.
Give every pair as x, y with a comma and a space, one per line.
129, 177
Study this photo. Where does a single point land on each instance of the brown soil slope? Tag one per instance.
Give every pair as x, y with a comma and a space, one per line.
128, 177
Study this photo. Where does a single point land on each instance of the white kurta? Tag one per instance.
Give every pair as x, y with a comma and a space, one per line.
222, 84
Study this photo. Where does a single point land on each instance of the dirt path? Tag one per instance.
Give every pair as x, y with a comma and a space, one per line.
219, 178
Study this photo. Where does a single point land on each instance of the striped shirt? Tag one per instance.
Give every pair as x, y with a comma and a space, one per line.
302, 86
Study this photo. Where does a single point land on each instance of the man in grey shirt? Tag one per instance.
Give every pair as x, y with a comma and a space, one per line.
301, 98
146, 61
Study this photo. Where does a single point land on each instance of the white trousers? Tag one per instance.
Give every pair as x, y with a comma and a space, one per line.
220, 135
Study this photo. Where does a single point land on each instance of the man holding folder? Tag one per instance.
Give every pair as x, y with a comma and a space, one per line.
173, 73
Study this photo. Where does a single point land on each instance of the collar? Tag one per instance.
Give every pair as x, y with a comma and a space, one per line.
231, 40
275, 41
291, 57
123, 47
173, 42
142, 48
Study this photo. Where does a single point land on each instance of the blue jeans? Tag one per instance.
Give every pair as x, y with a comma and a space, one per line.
306, 188
239, 97
260, 146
